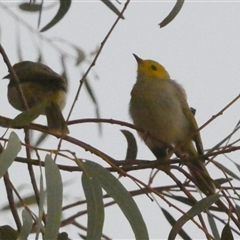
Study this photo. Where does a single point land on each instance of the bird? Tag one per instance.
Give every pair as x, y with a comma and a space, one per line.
158, 106
43, 90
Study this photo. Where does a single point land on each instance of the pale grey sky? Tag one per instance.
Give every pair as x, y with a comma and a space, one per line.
200, 49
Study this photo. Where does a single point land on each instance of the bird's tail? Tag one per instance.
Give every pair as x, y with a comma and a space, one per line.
55, 119
199, 172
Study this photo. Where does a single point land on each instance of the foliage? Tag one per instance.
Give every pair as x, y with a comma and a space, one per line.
97, 179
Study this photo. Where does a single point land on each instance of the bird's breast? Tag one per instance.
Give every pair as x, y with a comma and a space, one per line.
156, 109
35, 94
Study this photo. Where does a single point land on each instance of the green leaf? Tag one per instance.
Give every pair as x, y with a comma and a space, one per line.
80, 55
90, 91
176, 9
226, 233
189, 202
63, 236
213, 226
54, 198
40, 13
221, 181
63, 9
10, 153
95, 208
184, 200
172, 221
18, 41
94, 100
30, 7
132, 145
237, 165
230, 173
8, 233
199, 207
26, 117
41, 139
28, 200
237, 209
40, 207
122, 197
112, 7
27, 225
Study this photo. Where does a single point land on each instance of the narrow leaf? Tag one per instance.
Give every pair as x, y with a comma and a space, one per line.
8, 233
63, 236
80, 55
30, 7
63, 9
54, 198
95, 208
221, 181
109, 4
18, 45
41, 139
27, 225
213, 226
122, 197
9, 154
28, 200
237, 165
199, 207
172, 221
40, 13
94, 100
132, 146
237, 209
227, 233
90, 91
190, 203
176, 9
229, 172
183, 200
40, 207
26, 117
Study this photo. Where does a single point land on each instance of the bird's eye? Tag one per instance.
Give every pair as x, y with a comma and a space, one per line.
154, 68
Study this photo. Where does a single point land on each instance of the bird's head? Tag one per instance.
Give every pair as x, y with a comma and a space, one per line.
149, 68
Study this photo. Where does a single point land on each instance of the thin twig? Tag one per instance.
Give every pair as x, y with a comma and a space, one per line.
83, 79
15, 77
219, 113
30, 167
11, 201
36, 31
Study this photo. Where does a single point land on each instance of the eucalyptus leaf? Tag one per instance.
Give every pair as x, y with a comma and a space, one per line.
54, 198
176, 9
132, 146
227, 233
198, 208
95, 208
8, 233
63, 9
27, 225
10, 153
122, 197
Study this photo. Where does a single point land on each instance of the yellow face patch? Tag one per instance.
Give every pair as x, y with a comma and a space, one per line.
151, 68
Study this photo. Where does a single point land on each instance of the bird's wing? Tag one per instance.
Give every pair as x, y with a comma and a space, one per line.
191, 119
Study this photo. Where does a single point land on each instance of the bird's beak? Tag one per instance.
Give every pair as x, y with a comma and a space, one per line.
139, 60
7, 76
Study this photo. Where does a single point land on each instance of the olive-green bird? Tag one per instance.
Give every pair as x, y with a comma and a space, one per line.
159, 107
41, 87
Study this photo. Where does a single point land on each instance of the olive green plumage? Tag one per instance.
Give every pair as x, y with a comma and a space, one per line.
159, 106
40, 85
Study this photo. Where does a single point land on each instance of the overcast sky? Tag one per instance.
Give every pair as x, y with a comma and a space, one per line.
200, 49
